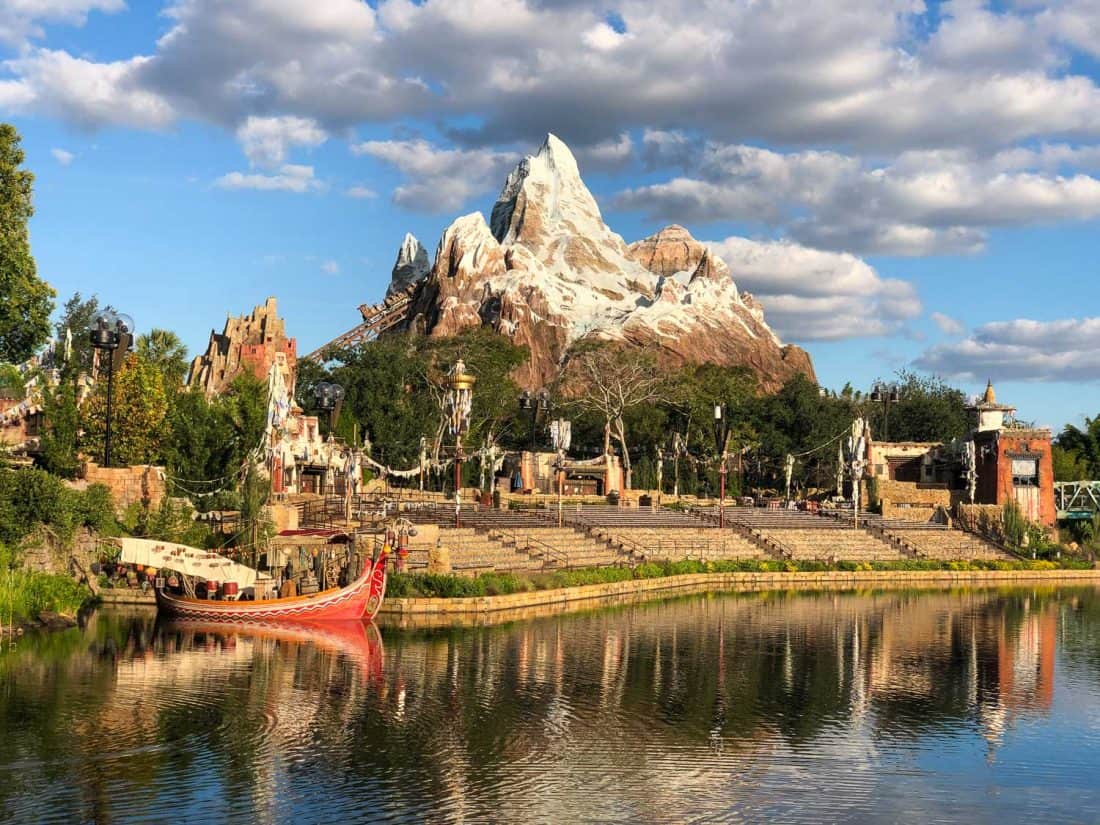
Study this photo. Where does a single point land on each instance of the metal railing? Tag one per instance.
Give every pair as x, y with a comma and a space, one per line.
548, 551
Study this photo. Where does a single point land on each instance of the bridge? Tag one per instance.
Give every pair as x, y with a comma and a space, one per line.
1077, 500
377, 318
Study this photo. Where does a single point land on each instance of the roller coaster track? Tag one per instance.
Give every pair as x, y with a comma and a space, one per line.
377, 318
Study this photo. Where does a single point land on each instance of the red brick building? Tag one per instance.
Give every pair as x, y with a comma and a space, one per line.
1013, 462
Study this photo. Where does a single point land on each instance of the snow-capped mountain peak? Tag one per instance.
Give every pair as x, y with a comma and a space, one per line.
546, 270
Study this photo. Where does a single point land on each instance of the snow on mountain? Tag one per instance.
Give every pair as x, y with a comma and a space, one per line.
547, 271
411, 265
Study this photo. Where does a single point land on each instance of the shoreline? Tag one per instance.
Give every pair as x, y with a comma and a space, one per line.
426, 613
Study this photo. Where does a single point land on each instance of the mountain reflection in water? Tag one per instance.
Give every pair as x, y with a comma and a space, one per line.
965, 705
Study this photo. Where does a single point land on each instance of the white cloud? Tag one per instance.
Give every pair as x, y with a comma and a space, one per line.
811, 294
852, 73
84, 92
1022, 349
922, 202
266, 140
330, 267
290, 177
360, 192
63, 157
607, 154
947, 324
440, 180
21, 19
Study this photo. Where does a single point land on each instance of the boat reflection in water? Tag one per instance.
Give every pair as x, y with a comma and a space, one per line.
356, 642
961, 705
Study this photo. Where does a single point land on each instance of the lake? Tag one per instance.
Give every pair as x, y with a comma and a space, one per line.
969, 705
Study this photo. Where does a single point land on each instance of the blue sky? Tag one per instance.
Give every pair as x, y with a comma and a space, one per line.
901, 185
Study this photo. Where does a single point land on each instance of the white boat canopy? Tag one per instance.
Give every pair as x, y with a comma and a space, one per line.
191, 561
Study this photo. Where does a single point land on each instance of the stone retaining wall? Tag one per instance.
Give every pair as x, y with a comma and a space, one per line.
429, 612
140, 484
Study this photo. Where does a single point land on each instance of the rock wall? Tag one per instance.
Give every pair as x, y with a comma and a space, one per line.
248, 344
129, 485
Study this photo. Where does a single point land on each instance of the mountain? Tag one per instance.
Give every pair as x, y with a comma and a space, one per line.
546, 271
411, 265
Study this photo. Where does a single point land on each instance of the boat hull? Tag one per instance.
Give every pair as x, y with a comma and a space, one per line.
359, 601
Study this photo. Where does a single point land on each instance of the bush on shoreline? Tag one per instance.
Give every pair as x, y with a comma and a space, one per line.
421, 585
24, 594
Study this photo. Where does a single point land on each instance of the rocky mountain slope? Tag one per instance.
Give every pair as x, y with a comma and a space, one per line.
547, 271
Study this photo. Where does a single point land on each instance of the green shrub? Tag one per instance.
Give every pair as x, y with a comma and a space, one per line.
31, 498
24, 594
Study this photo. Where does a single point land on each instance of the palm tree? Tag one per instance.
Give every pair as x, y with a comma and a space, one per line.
164, 349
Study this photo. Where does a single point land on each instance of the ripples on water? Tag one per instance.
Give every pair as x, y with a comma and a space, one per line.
961, 706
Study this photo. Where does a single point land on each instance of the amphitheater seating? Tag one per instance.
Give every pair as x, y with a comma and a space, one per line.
597, 515
565, 547
816, 544
680, 543
949, 545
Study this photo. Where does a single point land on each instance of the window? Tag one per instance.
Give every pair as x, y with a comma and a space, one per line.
1025, 471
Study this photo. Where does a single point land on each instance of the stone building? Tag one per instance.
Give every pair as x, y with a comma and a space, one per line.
248, 344
1012, 461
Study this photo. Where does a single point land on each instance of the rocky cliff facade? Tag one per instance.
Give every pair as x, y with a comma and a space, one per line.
546, 271
250, 343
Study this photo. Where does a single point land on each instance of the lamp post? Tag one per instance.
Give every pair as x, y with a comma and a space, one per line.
533, 402
721, 438
460, 398
886, 394
106, 333
328, 397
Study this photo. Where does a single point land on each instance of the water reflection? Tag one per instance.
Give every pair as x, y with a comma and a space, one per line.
964, 705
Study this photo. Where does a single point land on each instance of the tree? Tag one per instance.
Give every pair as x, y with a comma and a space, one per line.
12, 380
1084, 442
611, 381
209, 439
77, 315
60, 435
163, 349
929, 410
138, 414
1068, 466
26, 301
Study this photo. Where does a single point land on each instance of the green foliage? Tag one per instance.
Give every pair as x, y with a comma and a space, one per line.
164, 350
172, 521
394, 389
30, 498
414, 585
60, 435
208, 439
1068, 465
139, 414
26, 301
12, 380
24, 594
76, 317
1083, 443
1014, 524
929, 410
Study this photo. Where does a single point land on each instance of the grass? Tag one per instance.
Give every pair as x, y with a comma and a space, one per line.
24, 594
416, 585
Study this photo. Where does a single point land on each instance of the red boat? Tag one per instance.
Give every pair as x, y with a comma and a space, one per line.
360, 600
